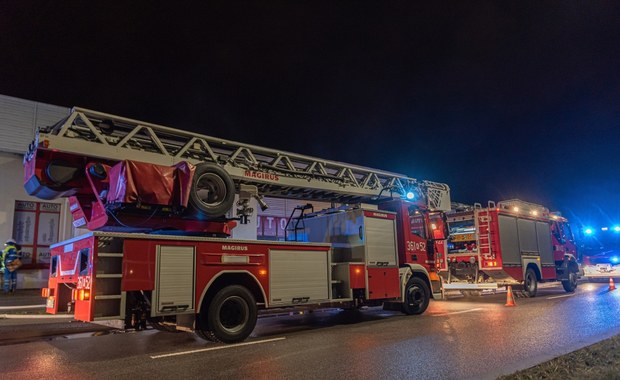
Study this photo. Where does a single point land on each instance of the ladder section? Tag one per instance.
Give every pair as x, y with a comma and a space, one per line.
109, 299
276, 173
483, 226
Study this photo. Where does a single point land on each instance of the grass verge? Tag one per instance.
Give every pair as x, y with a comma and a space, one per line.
598, 361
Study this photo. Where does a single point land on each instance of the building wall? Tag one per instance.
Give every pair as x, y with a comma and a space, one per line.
18, 121
12, 173
19, 118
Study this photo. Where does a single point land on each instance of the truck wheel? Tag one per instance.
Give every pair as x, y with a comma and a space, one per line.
417, 296
230, 317
530, 284
571, 283
212, 192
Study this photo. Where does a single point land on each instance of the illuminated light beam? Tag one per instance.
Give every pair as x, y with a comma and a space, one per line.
458, 312
215, 348
562, 296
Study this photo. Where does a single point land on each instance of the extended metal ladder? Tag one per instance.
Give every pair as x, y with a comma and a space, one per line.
276, 173
483, 228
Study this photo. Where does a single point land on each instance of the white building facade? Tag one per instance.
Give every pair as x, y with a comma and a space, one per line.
33, 223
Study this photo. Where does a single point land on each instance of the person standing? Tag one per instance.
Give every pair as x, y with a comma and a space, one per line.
10, 261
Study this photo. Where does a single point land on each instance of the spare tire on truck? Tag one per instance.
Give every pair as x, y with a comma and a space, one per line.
212, 192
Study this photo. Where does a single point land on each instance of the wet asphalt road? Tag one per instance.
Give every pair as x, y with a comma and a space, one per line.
457, 339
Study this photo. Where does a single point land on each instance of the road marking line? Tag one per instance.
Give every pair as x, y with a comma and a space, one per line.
562, 296
457, 312
21, 307
216, 348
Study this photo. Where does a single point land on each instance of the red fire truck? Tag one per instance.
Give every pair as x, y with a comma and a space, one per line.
160, 250
509, 243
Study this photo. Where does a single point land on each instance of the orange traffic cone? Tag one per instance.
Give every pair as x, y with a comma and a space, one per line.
510, 299
612, 286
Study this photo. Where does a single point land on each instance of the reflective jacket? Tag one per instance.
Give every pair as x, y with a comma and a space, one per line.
9, 254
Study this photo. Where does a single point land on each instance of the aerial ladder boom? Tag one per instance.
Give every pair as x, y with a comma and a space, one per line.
276, 173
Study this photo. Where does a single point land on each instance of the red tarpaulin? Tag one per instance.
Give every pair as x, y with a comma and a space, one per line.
139, 182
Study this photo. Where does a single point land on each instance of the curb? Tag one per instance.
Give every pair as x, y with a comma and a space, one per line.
34, 316
21, 307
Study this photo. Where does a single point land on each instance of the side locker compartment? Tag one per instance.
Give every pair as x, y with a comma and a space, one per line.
175, 280
109, 300
381, 257
543, 233
298, 277
509, 240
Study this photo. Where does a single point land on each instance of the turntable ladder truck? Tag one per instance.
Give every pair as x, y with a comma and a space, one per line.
159, 250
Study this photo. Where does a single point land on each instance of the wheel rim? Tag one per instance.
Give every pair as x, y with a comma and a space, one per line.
415, 296
210, 189
529, 281
234, 314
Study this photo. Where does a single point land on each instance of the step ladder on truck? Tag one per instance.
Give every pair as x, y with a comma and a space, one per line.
159, 250
511, 243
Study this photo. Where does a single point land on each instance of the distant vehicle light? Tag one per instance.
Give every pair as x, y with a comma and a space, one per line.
588, 231
515, 209
615, 259
616, 228
604, 228
410, 195
534, 212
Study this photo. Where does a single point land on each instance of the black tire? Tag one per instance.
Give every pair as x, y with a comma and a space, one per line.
230, 317
570, 284
212, 192
417, 296
530, 283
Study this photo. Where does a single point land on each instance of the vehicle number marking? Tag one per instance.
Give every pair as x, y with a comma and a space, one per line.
83, 282
416, 246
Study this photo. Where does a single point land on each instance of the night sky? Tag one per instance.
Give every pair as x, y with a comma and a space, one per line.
499, 99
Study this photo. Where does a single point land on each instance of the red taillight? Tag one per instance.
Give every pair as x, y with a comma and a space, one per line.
45, 292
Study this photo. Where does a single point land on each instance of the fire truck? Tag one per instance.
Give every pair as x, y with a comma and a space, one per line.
513, 242
159, 247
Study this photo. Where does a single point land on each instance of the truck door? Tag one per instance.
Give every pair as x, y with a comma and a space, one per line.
416, 241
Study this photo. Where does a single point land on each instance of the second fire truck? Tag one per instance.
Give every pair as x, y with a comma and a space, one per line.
513, 243
159, 251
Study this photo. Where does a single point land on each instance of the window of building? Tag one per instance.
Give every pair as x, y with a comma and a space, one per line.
35, 228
